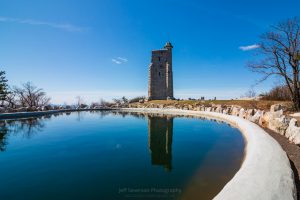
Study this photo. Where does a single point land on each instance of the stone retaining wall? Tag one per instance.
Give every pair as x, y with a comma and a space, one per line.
273, 119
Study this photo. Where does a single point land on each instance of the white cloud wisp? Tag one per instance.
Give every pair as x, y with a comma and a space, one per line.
119, 60
65, 27
249, 47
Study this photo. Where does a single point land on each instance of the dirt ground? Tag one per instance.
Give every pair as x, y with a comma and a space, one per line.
293, 152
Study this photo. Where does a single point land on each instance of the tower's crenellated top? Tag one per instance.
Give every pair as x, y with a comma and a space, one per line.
168, 46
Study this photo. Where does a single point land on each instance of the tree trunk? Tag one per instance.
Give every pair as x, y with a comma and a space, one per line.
296, 99
296, 102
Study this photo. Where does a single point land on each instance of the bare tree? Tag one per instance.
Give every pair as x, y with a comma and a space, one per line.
11, 99
104, 103
250, 93
94, 104
117, 101
125, 100
79, 101
31, 96
280, 55
4, 91
280, 93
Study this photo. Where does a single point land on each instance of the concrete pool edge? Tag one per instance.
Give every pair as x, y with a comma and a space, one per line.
18, 115
265, 173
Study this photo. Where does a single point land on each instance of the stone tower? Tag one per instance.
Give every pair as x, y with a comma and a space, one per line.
160, 136
160, 74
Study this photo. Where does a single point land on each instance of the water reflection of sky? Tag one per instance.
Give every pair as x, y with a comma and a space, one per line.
196, 156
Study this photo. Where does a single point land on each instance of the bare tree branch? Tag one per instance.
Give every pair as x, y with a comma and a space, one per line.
280, 52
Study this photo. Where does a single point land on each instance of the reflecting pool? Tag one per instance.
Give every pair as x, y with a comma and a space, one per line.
112, 155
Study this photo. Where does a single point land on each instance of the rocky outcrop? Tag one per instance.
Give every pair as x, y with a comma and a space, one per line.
235, 110
242, 113
255, 118
264, 119
293, 132
208, 109
279, 124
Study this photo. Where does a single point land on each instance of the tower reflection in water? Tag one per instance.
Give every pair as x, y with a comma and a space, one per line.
160, 133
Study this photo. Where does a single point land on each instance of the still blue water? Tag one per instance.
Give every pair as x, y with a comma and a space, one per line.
106, 155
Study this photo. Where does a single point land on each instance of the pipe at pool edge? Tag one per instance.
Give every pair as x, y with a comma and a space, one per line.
265, 173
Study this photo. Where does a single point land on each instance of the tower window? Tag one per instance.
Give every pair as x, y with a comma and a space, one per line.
159, 74
158, 58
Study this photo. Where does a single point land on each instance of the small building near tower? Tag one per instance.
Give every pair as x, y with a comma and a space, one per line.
161, 74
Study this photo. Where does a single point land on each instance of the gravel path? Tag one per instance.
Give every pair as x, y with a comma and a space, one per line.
293, 152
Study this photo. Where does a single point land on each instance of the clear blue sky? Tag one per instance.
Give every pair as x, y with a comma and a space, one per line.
101, 49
